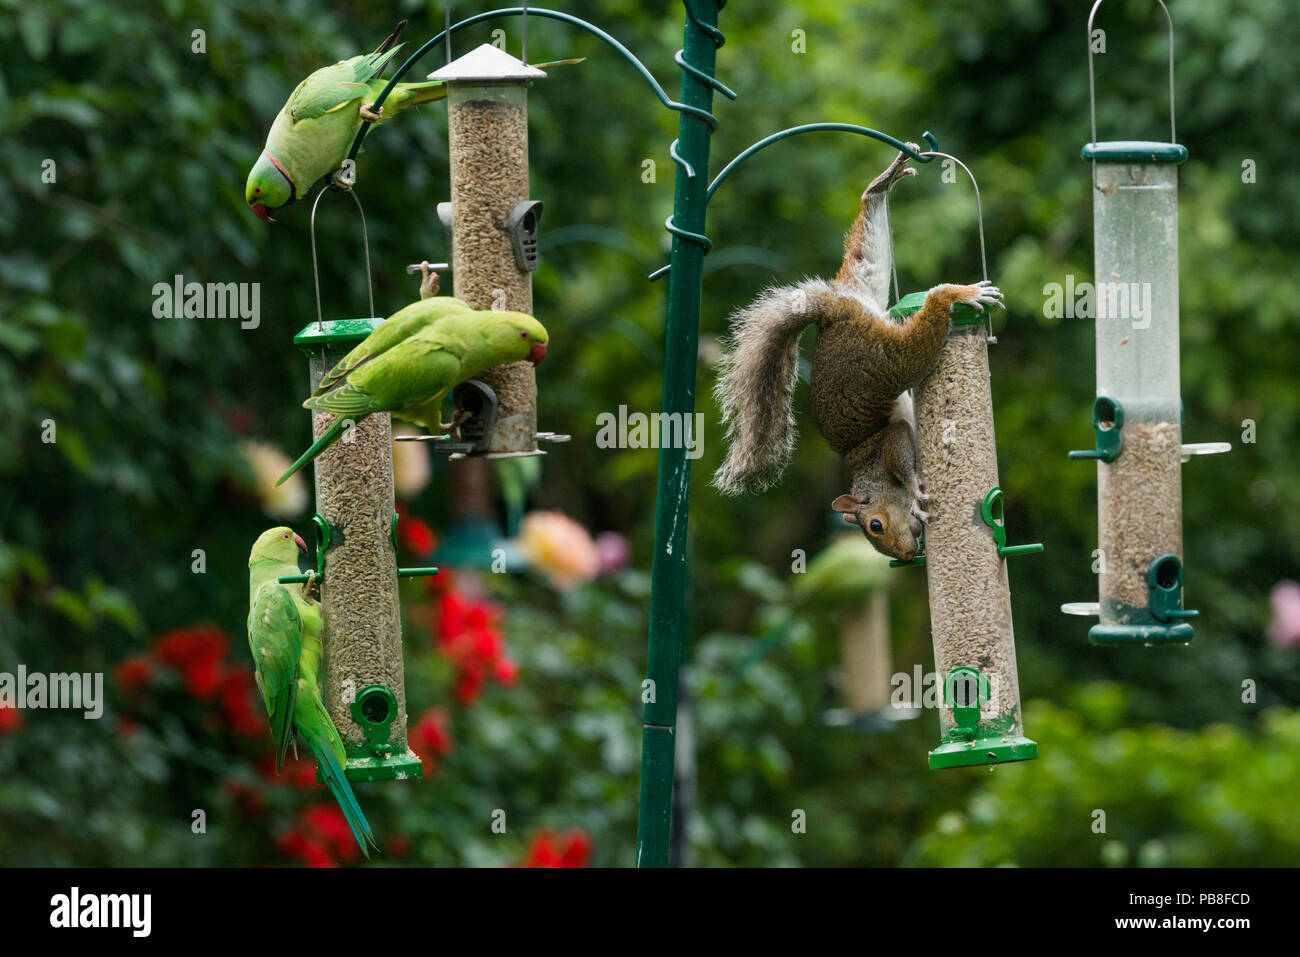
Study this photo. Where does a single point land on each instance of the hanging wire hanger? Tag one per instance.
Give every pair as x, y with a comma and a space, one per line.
315, 268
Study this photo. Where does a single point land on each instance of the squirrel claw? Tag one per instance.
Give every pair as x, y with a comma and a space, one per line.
985, 294
915, 509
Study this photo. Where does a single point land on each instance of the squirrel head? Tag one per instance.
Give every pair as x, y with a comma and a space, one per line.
890, 528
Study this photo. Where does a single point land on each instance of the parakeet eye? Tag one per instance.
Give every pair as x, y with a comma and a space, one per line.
257, 191
523, 334
285, 536
876, 526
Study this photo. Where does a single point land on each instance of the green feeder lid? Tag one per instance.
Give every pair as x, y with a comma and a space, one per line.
1135, 151
334, 332
962, 314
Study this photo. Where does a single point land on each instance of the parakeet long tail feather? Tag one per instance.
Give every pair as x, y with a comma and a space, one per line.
328, 438
282, 729
337, 781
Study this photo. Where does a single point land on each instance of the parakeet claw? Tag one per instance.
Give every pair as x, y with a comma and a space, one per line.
371, 116
458, 418
429, 282
345, 177
311, 587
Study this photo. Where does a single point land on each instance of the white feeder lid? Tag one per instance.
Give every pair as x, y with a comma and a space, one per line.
486, 64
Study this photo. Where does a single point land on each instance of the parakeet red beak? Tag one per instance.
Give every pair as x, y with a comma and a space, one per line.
261, 212
302, 546
538, 352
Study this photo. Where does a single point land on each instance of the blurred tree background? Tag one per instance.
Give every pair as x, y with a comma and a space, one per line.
524, 692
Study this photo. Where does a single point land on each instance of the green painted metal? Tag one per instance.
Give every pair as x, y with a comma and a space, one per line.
991, 510
334, 333
1108, 423
972, 741
375, 710
669, 576
1162, 621
1135, 151
963, 314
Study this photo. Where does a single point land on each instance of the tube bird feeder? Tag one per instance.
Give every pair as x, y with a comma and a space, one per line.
356, 562
965, 553
494, 223
1138, 411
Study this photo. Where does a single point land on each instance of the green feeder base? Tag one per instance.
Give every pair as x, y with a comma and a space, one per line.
363, 768
1153, 634
994, 749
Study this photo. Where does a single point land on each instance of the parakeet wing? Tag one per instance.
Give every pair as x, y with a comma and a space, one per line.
398, 327
275, 639
414, 370
332, 87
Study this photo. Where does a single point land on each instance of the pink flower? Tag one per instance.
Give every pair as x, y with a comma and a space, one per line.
1284, 628
613, 552
560, 548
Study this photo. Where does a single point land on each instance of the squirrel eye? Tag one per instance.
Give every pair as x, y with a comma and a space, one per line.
876, 526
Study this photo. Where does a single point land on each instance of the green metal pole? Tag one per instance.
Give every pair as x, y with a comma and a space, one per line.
669, 580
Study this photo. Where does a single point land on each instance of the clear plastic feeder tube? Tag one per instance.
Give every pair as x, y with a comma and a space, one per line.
1138, 411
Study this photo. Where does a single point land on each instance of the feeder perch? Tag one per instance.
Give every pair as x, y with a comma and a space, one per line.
965, 552
1137, 415
492, 220
357, 563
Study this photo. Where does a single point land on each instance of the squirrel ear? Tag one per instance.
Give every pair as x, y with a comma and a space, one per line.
845, 503
851, 518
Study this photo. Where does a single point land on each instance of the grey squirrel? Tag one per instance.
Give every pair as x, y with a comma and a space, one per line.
863, 368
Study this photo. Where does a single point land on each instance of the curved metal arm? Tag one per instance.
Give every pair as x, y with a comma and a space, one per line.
817, 128
568, 18
809, 128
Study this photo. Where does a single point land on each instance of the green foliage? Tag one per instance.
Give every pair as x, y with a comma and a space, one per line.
1112, 793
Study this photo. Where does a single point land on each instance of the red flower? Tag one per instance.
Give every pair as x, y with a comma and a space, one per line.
11, 719
571, 849
127, 728
182, 647
430, 736
203, 678
132, 674
298, 773
310, 850
417, 537
505, 671
469, 687
249, 796
243, 714
327, 821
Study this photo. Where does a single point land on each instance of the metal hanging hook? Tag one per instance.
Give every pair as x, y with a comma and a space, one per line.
446, 11
979, 217
525, 47
315, 268
1092, 82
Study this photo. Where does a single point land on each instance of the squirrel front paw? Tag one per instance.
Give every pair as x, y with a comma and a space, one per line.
914, 508
917, 489
979, 295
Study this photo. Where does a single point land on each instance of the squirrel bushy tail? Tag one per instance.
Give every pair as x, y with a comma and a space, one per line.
756, 382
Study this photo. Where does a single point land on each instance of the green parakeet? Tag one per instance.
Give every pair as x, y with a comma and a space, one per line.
415, 364
312, 135
284, 638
